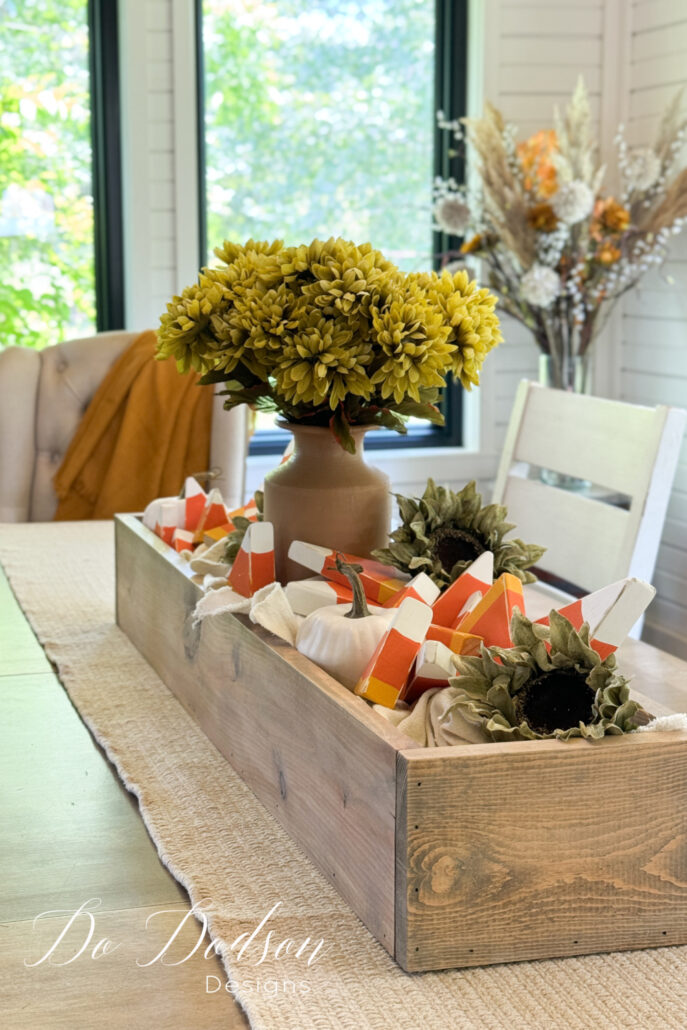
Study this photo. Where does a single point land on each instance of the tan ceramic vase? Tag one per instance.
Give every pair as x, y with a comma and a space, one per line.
324, 495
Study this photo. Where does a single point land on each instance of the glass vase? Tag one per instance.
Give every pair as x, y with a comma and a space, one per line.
565, 373
571, 373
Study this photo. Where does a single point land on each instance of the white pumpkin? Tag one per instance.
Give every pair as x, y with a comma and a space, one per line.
342, 639
339, 645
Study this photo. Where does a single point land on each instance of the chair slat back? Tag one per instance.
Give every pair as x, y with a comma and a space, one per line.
622, 448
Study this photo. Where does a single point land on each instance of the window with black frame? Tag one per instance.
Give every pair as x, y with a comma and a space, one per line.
60, 190
317, 120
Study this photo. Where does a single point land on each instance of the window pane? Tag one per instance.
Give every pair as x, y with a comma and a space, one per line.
47, 289
319, 122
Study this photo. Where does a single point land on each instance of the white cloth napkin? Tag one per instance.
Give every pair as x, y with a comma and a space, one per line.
210, 561
268, 608
429, 723
677, 721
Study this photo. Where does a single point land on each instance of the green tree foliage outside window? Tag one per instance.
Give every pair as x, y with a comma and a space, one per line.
319, 122
47, 288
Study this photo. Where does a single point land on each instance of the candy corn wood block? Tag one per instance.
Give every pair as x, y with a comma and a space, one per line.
211, 536
454, 640
380, 582
169, 515
254, 564
420, 587
182, 540
214, 514
473, 583
387, 671
195, 500
490, 618
306, 595
247, 511
173, 509
610, 612
433, 667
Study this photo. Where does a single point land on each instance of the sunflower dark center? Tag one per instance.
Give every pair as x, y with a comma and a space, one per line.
450, 545
557, 700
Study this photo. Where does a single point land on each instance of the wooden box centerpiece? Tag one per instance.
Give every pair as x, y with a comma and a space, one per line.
452, 857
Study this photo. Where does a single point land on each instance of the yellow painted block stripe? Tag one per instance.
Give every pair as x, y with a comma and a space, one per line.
379, 692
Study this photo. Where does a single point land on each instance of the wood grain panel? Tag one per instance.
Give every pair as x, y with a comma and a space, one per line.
316, 756
20, 652
69, 829
523, 851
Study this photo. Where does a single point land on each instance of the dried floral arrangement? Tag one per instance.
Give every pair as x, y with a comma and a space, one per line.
558, 249
330, 333
442, 533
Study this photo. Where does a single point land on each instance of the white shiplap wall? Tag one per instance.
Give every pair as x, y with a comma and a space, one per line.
532, 63
159, 168
654, 324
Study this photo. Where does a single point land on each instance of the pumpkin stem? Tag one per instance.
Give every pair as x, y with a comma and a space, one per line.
359, 609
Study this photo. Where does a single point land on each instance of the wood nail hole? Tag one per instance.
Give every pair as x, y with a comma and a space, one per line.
417, 890
419, 783
471, 951
576, 942
416, 826
665, 932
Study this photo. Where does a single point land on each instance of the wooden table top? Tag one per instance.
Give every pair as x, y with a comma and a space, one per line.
70, 833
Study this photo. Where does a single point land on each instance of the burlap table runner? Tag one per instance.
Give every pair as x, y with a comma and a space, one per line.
224, 847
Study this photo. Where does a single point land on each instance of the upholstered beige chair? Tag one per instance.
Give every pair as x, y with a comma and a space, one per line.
43, 395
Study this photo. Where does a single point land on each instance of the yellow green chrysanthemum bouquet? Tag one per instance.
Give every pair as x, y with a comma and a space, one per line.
330, 333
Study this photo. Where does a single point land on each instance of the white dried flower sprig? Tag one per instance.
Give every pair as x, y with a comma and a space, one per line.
643, 168
573, 201
550, 245
454, 125
540, 286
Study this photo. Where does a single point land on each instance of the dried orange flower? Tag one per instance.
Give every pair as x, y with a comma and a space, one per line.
607, 254
471, 246
535, 159
542, 217
611, 216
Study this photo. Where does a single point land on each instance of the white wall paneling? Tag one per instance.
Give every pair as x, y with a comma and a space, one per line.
160, 169
653, 358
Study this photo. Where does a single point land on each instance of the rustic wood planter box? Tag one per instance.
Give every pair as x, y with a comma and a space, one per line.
450, 856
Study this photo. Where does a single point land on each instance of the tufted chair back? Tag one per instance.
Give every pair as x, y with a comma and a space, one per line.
44, 394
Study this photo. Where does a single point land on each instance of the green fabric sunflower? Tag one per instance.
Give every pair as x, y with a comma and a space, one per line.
443, 532
531, 692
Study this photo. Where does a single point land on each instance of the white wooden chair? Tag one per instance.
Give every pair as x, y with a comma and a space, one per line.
43, 395
629, 455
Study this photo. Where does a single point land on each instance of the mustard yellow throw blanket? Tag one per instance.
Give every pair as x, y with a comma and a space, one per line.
145, 430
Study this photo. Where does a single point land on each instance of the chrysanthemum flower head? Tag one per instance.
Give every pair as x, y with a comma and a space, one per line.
475, 327
321, 363
412, 336
185, 333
